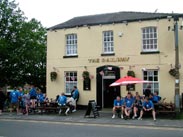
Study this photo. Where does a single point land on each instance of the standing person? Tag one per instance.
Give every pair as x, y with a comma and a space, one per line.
75, 96
20, 100
147, 91
118, 106
26, 100
148, 107
2, 100
33, 95
14, 95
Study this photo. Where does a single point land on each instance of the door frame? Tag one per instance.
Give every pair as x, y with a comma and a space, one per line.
100, 76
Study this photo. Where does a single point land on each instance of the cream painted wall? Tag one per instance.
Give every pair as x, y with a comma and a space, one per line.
129, 45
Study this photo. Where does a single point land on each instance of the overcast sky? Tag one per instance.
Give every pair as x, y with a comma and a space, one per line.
53, 12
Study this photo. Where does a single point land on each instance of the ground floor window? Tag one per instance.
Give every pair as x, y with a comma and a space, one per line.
151, 75
70, 81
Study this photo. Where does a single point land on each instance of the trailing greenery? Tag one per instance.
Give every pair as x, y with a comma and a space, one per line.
53, 75
131, 73
86, 75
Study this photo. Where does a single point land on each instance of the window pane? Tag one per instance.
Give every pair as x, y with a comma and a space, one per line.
108, 42
70, 81
151, 75
71, 44
149, 39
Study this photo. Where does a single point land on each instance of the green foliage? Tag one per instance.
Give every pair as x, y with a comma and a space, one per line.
131, 73
86, 75
53, 76
22, 47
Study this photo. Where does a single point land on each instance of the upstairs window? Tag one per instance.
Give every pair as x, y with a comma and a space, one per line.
149, 39
108, 42
71, 45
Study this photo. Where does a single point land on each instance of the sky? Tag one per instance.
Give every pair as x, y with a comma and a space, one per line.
53, 12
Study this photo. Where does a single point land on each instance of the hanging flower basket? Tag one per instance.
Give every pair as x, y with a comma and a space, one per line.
173, 72
86, 75
53, 76
131, 73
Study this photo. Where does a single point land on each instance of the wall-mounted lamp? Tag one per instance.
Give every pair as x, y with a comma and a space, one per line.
120, 34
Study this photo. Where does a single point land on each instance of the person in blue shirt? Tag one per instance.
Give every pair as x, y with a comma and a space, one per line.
118, 105
20, 98
74, 98
40, 98
62, 102
14, 96
129, 100
156, 97
33, 96
148, 107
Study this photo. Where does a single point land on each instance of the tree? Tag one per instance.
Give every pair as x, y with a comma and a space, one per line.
22, 47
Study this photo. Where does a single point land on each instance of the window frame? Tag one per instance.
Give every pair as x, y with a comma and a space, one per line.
72, 44
155, 84
109, 44
149, 39
71, 82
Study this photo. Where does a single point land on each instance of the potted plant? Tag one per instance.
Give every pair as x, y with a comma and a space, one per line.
53, 75
173, 72
86, 75
131, 73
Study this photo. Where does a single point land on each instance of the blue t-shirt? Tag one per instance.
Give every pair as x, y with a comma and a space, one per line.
40, 97
14, 96
118, 102
20, 94
129, 102
75, 94
148, 104
156, 99
33, 92
62, 100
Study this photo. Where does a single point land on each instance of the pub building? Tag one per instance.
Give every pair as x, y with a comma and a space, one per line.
91, 52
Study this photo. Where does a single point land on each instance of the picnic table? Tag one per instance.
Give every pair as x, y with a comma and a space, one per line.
164, 108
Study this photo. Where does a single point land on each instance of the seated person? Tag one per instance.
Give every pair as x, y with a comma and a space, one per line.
40, 98
156, 97
148, 107
137, 106
118, 106
129, 100
62, 101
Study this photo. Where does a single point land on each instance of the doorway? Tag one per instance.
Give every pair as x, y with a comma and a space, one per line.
106, 94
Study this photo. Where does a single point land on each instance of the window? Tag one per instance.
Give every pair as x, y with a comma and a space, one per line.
71, 44
70, 81
151, 75
108, 46
149, 39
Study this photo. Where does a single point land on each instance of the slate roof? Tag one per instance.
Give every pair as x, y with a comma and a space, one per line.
109, 18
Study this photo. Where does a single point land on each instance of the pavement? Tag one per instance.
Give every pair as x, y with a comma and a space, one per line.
105, 118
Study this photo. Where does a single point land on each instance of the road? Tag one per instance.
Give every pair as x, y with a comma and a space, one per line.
31, 128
